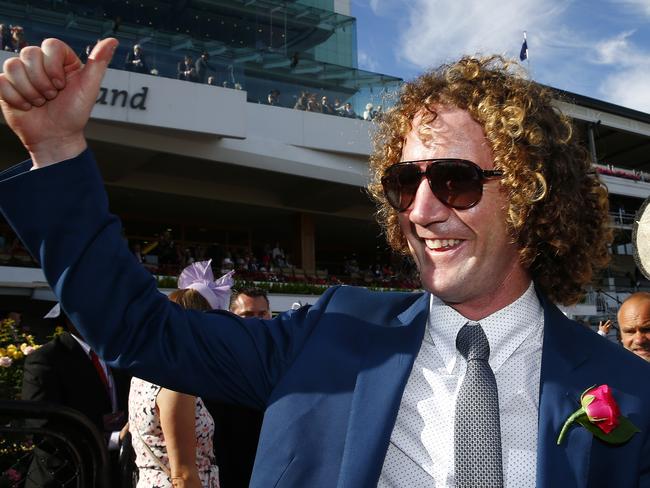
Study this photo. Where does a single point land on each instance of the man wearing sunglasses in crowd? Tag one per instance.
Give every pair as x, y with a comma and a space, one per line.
479, 178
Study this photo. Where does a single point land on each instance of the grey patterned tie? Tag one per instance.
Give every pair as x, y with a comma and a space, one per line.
477, 432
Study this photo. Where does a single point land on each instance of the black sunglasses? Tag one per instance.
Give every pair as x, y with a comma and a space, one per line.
457, 183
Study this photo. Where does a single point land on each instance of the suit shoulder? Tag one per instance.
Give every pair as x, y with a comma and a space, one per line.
615, 357
44, 351
368, 304
56, 347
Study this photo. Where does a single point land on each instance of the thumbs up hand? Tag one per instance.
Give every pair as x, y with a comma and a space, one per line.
47, 94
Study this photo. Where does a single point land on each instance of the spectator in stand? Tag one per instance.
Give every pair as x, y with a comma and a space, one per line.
273, 97
326, 107
137, 252
173, 432
135, 60
188, 257
227, 264
312, 103
167, 249
277, 254
202, 67
368, 112
18, 40
377, 112
186, 69
253, 263
634, 324
301, 102
212, 80
348, 111
5, 38
266, 261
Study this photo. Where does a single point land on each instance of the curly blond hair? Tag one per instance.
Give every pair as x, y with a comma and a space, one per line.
557, 207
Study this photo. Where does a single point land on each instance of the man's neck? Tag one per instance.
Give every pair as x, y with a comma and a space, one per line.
487, 304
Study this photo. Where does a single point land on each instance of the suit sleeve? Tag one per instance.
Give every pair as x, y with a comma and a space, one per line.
40, 380
61, 214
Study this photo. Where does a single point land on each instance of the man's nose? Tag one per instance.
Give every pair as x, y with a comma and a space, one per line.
426, 208
641, 337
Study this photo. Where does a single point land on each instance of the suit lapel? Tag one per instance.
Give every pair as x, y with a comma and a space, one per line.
380, 384
561, 384
84, 369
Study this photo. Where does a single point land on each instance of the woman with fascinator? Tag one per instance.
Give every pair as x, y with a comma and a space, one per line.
172, 432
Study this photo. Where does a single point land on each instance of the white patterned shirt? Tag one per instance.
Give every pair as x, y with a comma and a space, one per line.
421, 450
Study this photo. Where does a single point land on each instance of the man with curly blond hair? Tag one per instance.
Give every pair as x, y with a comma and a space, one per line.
481, 180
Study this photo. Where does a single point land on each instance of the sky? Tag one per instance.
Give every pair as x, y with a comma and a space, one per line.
598, 48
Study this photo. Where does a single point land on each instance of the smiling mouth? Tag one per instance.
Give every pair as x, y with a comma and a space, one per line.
441, 244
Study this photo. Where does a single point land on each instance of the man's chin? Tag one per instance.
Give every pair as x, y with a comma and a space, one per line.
446, 292
643, 354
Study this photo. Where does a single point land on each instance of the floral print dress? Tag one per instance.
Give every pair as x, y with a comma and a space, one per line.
144, 424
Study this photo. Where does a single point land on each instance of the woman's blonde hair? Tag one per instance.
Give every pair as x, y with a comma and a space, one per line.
190, 299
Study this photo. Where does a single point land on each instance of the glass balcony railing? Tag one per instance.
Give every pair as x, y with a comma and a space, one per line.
294, 78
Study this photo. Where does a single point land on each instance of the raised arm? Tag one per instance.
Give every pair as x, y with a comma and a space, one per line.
177, 419
47, 94
61, 214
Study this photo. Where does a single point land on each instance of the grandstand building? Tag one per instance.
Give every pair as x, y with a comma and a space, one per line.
219, 170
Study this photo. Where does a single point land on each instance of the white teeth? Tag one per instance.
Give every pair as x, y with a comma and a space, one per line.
441, 243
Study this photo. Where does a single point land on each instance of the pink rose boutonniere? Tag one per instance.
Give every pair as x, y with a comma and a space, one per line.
600, 415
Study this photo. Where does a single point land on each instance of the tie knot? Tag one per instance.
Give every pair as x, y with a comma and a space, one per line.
472, 343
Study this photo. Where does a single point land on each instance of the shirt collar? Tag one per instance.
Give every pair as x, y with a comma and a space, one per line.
505, 329
83, 345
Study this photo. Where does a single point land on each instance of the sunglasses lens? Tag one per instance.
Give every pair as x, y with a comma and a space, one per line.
400, 185
457, 184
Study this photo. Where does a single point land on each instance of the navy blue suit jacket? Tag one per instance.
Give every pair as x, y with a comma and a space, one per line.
330, 376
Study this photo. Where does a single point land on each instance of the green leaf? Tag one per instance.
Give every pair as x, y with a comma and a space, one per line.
619, 435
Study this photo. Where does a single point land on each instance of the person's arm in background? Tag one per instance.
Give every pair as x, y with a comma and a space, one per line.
604, 327
177, 418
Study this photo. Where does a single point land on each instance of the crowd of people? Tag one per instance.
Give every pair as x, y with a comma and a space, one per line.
203, 71
312, 102
270, 264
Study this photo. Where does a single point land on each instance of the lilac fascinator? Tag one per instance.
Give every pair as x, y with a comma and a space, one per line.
198, 276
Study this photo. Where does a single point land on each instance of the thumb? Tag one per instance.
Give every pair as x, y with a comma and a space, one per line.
98, 61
